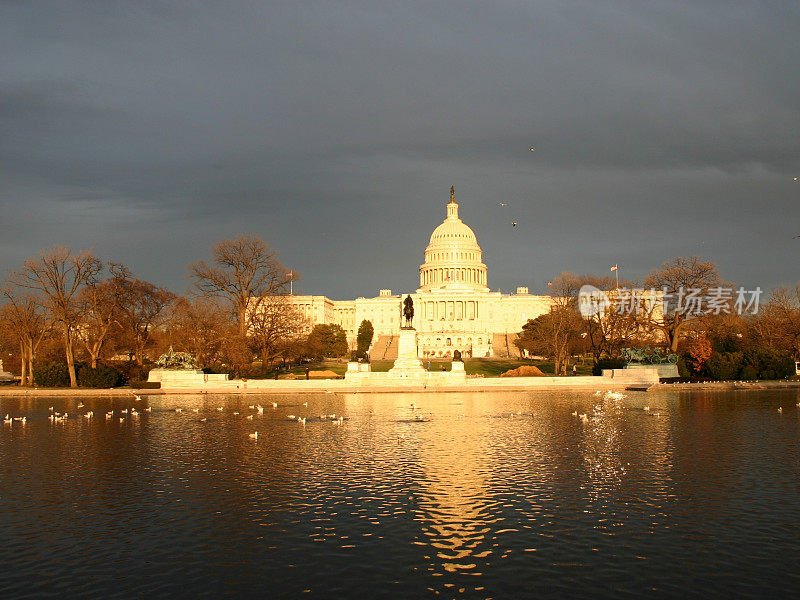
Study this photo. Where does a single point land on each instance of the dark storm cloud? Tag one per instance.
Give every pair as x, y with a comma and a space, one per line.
334, 130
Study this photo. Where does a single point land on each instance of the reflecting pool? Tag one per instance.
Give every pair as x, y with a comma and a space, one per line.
474, 495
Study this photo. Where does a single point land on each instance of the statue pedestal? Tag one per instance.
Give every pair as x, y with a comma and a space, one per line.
357, 367
162, 375
408, 362
664, 370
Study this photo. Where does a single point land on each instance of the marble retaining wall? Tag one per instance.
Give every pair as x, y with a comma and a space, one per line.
368, 381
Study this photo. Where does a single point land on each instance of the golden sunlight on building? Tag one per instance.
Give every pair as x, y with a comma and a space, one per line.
454, 307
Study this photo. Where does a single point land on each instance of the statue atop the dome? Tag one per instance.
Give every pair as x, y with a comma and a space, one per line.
408, 310
452, 194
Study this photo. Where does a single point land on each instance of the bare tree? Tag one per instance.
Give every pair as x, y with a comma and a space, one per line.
727, 331
243, 272
606, 330
24, 319
552, 335
681, 280
101, 307
198, 326
555, 333
272, 325
778, 324
142, 307
59, 275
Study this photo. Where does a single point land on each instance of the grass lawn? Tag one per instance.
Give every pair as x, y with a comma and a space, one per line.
324, 365
488, 367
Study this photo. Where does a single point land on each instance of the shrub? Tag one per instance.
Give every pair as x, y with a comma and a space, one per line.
54, 374
607, 363
683, 369
768, 363
101, 377
724, 365
131, 371
758, 363
748, 373
700, 351
220, 369
355, 355
145, 385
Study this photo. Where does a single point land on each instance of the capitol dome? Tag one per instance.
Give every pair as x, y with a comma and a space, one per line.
453, 258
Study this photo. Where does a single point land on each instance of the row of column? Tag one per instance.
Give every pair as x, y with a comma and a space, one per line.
450, 310
432, 276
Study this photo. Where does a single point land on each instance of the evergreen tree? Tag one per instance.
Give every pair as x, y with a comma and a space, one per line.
364, 338
327, 341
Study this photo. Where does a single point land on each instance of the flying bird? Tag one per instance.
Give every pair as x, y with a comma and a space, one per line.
532, 149
503, 204
514, 223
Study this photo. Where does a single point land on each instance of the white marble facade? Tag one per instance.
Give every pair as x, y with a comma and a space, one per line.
454, 309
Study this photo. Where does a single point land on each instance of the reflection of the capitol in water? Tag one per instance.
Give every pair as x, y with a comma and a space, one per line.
490, 476
454, 502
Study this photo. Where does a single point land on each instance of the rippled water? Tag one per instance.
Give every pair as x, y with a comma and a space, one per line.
491, 495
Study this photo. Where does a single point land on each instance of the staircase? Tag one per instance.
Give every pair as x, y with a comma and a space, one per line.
503, 345
384, 348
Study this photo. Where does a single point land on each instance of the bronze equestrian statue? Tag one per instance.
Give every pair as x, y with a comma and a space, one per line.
408, 310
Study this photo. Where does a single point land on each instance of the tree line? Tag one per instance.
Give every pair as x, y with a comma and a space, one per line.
720, 342
72, 308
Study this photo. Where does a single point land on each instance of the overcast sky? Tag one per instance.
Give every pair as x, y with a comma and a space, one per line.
334, 130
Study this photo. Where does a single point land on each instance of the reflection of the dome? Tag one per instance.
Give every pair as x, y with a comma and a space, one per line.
454, 504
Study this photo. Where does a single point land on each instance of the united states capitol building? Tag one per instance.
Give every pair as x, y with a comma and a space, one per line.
454, 309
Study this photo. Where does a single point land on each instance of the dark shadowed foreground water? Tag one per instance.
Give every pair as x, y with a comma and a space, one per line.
495, 496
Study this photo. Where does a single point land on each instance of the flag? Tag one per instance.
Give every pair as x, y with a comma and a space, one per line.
289, 274
615, 267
